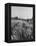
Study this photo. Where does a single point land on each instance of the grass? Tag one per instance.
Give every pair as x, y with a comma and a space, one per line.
21, 29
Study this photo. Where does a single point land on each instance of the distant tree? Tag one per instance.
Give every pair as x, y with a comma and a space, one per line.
27, 20
16, 17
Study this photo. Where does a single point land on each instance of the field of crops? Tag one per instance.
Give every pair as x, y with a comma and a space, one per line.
21, 30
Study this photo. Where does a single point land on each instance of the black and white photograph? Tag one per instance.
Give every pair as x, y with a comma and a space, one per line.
21, 23
17, 22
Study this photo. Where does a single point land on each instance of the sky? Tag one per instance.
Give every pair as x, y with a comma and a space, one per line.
22, 12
